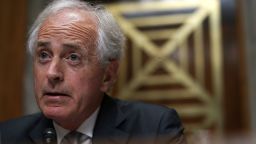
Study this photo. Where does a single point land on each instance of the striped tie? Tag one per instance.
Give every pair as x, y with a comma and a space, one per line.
72, 137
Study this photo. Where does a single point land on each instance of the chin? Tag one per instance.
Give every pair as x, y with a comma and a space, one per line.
55, 113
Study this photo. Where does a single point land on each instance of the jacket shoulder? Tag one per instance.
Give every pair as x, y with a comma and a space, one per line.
24, 121
160, 121
18, 129
145, 109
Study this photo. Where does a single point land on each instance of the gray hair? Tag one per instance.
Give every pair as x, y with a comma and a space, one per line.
111, 40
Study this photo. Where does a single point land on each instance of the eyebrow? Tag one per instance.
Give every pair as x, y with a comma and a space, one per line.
71, 46
65, 45
43, 44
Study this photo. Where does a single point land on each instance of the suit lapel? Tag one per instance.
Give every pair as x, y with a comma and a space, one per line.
107, 130
108, 125
36, 133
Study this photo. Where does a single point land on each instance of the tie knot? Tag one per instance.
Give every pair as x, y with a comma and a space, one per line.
72, 137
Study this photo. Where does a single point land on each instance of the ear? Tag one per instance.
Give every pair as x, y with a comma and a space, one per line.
110, 75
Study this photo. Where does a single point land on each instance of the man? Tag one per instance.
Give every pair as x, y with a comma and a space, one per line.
76, 49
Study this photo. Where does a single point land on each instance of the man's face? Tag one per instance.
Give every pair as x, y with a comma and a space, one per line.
68, 76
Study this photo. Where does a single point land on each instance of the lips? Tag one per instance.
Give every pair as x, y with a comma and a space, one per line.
54, 94
55, 98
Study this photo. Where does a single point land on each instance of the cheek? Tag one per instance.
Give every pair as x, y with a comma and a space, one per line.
86, 83
39, 76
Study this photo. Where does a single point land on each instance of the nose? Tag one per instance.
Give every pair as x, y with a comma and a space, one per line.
55, 74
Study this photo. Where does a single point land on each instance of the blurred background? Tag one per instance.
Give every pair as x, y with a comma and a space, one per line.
196, 56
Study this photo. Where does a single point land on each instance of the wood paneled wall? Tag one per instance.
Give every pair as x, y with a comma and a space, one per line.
236, 104
235, 85
12, 54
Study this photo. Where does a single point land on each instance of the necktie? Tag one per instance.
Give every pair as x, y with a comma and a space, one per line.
72, 137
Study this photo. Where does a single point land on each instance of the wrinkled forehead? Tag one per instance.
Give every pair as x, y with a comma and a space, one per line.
70, 25
66, 16
75, 14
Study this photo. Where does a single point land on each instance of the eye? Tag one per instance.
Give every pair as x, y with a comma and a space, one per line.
43, 56
74, 58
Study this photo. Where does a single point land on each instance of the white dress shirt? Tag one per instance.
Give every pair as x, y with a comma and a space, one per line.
85, 128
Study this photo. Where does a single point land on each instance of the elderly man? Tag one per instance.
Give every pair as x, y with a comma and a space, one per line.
76, 49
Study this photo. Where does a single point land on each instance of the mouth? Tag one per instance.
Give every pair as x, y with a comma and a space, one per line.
54, 94
55, 98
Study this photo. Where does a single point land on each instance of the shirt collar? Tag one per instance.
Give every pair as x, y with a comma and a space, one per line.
85, 128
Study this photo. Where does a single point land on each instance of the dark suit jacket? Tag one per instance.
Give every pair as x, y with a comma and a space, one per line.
118, 122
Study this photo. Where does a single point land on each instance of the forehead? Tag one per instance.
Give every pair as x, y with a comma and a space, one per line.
70, 24
67, 16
